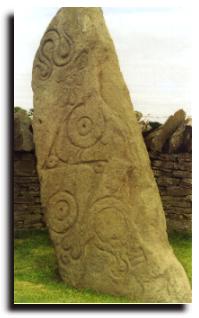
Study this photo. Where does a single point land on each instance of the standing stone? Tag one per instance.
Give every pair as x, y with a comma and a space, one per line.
102, 205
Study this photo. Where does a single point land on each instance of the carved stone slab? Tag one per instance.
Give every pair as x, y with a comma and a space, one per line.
103, 208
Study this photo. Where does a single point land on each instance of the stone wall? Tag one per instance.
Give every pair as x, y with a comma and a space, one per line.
171, 170
172, 173
27, 207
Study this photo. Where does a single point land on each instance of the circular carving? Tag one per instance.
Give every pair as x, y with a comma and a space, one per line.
109, 221
61, 212
109, 224
52, 161
85, 126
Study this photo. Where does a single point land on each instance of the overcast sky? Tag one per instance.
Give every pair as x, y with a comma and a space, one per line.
153, 46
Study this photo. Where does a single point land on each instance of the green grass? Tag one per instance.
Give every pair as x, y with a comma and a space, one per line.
37, 279
182, 246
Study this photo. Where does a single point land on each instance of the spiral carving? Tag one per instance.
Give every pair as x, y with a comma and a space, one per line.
55, 49
85, 125
61, 212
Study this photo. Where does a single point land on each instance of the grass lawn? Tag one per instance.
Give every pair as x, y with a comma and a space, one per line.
37, 279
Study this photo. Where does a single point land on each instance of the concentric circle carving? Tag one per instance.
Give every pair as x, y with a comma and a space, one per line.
85, 126
108, 219
61, 212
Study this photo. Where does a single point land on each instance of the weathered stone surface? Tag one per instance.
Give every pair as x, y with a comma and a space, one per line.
26, 192
175, 143
24, 164
182, 173
181, 140
103, 209
26, 180
156, 140
173, 137
173, 177
168, 181
180, 224
183, 165
175, 191
23, 139
187, 144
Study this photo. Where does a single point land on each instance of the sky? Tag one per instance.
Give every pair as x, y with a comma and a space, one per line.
153, 46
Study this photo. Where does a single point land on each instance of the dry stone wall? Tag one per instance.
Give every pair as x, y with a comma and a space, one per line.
27, 207
173, 174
